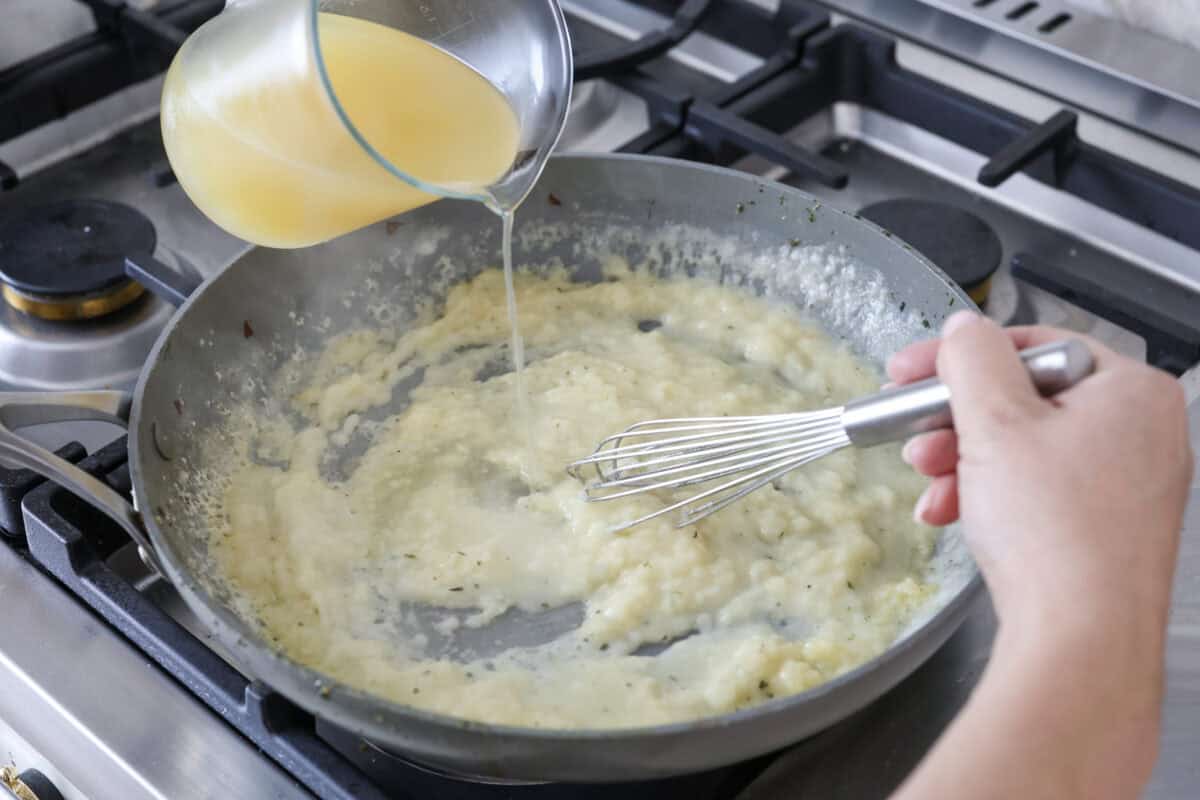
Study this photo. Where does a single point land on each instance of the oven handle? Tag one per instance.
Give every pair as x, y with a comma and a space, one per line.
22, 409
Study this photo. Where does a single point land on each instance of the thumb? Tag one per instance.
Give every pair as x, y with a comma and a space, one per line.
989, 385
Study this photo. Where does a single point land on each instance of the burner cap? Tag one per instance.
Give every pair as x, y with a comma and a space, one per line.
65, 260
961, 244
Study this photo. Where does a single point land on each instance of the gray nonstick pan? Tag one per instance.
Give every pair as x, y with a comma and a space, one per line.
682, 218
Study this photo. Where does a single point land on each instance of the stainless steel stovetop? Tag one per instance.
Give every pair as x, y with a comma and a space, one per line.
100, 718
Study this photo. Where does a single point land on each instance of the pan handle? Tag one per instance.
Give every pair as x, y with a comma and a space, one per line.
21, 409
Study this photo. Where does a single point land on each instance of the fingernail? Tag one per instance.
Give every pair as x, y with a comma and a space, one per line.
957, 320
906, 452
922, 506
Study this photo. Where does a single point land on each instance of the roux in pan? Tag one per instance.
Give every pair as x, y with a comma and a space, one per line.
386, 550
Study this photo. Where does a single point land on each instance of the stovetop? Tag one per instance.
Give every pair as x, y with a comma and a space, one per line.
114, 689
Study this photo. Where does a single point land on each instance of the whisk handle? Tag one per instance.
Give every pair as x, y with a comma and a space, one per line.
925, 406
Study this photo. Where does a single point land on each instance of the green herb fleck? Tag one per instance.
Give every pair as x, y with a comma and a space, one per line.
741, 208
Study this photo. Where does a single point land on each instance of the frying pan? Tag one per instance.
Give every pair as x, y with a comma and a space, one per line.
673, 217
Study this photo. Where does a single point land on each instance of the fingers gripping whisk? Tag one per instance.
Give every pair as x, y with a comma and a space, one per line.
736, 455
741, 454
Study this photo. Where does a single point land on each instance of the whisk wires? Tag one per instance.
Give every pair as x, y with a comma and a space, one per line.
670, 454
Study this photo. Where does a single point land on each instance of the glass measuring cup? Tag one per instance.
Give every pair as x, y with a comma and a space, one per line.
291, 122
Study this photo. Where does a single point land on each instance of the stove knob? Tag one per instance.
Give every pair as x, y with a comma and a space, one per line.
28, 785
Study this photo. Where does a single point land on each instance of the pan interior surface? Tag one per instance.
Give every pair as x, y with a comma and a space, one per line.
374, 286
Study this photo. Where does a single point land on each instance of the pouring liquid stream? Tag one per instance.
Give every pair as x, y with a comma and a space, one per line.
269, 157
517, 342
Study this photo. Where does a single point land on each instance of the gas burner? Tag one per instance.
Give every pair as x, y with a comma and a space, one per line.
961, 244
72, 319
65, 260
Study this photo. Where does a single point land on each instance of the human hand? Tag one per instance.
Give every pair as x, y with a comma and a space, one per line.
1066, 501
1072, 506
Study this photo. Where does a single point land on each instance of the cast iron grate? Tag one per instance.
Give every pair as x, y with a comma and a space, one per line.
817, 65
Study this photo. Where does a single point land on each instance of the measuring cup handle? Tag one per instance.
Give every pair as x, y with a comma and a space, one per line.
21, 409
925, 406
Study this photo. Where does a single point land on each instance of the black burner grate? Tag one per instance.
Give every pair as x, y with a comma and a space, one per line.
128, 46
815, 65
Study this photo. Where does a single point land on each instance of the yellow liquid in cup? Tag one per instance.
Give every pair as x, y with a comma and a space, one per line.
263, 153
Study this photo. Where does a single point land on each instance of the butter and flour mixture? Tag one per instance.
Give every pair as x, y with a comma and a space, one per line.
398, 552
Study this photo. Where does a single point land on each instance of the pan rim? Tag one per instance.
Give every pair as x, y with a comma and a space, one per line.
365, 713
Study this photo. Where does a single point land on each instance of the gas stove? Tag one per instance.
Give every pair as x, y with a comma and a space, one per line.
1059, 184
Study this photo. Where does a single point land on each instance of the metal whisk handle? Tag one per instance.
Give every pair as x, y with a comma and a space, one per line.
925, 406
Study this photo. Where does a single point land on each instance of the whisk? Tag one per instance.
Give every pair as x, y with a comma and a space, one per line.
751, 452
